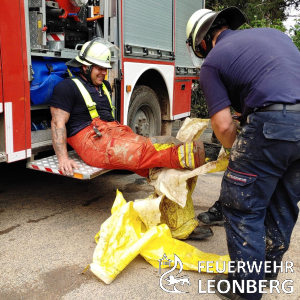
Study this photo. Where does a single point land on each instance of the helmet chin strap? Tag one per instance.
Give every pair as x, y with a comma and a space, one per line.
205, 45
208, 43
87, 74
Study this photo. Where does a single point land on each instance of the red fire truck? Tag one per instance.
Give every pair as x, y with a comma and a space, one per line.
151, 77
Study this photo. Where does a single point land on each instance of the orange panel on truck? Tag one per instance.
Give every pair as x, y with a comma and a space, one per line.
182, 96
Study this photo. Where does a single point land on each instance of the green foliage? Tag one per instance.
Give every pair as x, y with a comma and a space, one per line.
199, 107
277, 24
260, 13
295, 33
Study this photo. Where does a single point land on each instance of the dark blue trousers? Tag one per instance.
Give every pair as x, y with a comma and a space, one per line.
260, 191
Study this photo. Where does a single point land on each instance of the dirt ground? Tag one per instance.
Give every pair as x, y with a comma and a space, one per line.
47, 229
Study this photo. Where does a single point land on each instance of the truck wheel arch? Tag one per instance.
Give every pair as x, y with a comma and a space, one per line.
155, 81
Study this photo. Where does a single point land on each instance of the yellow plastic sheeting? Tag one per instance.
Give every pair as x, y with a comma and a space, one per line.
156, 210
133, 228
123, 236
183, 232
119, 202
191, 129
179, 219
163, 243
220, 164
149, 210
172, 182
118, 242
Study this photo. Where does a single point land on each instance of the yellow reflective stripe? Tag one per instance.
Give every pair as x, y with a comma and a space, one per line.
159, 147
93, 112
91, 105
189, 155
106, 92
181, 156
192, 155
70, 73
187, 151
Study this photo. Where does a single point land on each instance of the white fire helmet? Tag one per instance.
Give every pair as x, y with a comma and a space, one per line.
96, 52
200, 23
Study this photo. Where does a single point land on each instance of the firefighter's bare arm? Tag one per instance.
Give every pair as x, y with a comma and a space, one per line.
224, 127
59, 140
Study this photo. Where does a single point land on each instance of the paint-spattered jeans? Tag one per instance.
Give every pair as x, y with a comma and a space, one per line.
261, 189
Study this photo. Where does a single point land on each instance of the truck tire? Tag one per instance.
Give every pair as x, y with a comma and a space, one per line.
144, 114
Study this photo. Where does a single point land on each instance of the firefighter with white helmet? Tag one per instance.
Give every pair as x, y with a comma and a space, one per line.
203, 21
83, 116
93, 53
199, 40
257, 72
96, 52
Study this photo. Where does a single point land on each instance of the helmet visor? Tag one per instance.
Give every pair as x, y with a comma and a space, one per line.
74, 63
196, 60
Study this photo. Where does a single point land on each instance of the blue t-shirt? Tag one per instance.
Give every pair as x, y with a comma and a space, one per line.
251, 68
67, 97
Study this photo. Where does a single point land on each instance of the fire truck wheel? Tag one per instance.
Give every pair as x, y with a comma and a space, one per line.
144, 115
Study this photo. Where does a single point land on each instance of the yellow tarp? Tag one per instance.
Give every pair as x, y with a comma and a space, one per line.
173, 182
148, 226
123, 236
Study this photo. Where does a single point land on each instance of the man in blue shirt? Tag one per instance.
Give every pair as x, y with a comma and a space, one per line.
257, 72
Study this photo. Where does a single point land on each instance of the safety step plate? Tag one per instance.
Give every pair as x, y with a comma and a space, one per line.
50, 165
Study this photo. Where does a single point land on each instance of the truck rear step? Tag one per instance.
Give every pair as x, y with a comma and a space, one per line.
50, 165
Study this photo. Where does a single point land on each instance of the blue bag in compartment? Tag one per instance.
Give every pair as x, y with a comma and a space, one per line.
48, 72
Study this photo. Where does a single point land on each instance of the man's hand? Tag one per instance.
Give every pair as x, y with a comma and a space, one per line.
66, 165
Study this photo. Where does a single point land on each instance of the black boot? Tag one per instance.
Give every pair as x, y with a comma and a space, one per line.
214, 215
200, 233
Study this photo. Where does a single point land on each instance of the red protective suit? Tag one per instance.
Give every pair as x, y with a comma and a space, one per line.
120, 148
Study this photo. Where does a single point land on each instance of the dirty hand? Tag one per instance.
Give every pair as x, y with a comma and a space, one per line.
67, 165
